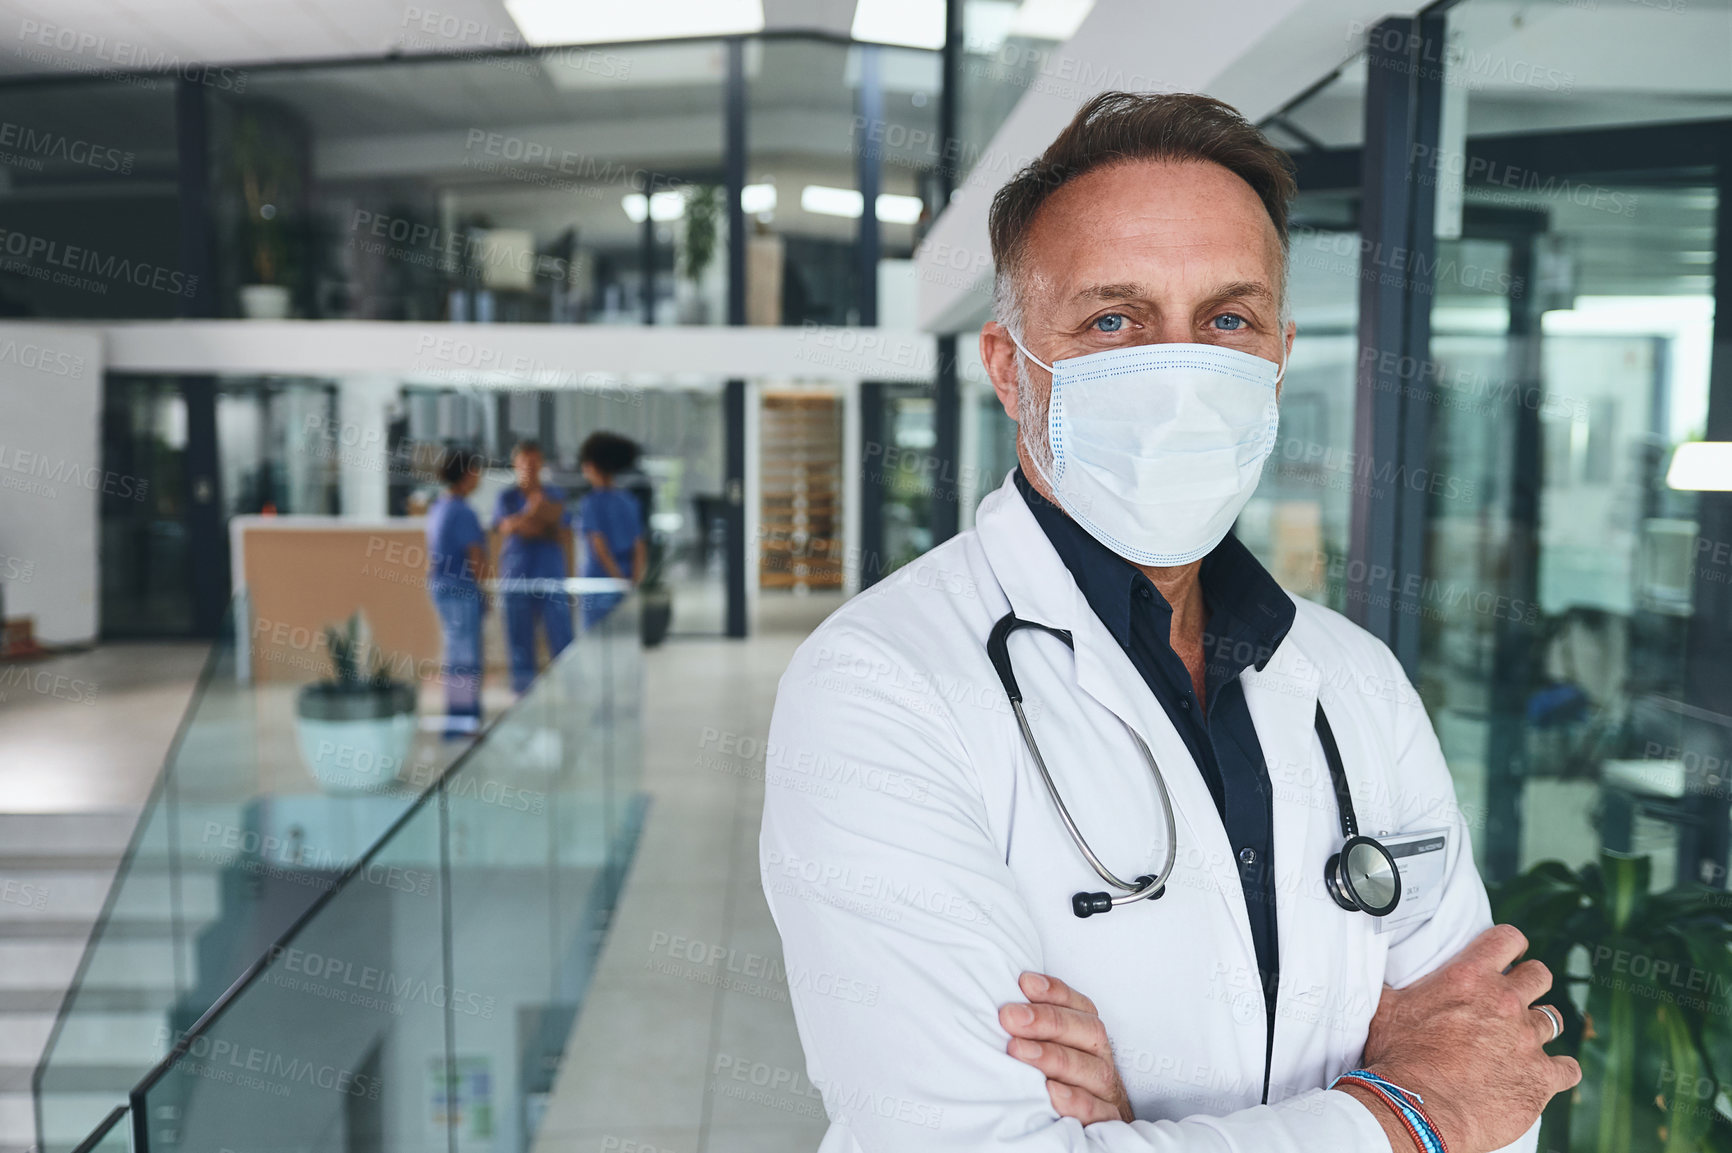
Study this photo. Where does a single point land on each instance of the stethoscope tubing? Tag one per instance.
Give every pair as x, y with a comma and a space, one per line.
998, 651
1133, 891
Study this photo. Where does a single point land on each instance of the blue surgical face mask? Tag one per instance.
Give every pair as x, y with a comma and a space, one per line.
1156, 448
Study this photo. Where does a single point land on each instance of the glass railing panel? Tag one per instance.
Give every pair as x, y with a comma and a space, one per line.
142, 960
475, 921
111, 1023
338, 1041
238, 838
622, 655
208, 782
536, 846
113, 1135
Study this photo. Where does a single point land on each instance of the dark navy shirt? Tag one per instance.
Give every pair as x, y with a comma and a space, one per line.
1248, 615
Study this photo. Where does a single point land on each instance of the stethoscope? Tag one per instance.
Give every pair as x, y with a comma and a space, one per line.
1362, 877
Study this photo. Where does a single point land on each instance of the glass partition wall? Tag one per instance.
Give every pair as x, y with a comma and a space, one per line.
1504, 272
1297, 523
572, 186
369, 447
830, 126
564, 186
1572, 316
89, 181
1008, 50
548, 186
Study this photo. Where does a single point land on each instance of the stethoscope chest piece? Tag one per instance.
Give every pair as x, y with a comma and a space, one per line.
1362, 878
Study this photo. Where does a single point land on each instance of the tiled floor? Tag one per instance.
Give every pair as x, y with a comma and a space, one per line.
87, 731
652, 1058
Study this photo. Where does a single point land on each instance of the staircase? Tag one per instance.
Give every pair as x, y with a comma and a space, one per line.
54, 873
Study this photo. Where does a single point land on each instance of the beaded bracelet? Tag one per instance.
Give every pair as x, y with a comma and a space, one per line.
1408, 1106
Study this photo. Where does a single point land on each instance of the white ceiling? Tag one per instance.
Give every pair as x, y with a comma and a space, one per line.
58, 36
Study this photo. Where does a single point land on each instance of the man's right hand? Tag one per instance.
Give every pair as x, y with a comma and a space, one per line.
1467, 1039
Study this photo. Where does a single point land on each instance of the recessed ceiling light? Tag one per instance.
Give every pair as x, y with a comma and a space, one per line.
545, 22
824, 201
890, 208
661, 206
755, 198
910, 23
894, 209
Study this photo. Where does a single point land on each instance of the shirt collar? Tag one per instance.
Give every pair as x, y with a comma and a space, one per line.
1249, 613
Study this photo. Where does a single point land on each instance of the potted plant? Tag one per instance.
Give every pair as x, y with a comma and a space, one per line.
355, 729
703, 213
265, 170
1644, 984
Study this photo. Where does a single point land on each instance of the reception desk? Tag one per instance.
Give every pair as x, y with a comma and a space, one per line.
300, 573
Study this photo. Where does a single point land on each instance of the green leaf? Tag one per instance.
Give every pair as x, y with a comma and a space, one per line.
1602, 1119
1541, 903
1626, 882
1710, 950
1656, 1041
1683, 1084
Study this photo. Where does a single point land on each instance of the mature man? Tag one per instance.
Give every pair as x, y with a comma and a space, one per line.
1179, 720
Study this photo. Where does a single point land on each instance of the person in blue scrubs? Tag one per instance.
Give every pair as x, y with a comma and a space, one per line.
456, 561
531, 519
609, 520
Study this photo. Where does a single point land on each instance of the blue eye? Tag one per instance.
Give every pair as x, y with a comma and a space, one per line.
1111, 322
1236, 322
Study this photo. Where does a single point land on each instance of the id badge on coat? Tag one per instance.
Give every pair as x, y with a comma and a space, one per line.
1420, 858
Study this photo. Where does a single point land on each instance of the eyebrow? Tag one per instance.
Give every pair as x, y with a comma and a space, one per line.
1238, 289
1106, 292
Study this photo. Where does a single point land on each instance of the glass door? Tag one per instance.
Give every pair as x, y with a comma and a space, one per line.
275, 446
146, 554
1557, 605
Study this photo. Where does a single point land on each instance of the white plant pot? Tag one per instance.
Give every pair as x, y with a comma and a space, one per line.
355, 742
264, 302
356, 756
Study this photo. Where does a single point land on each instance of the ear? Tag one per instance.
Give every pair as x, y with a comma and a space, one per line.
1287, 355
998, 353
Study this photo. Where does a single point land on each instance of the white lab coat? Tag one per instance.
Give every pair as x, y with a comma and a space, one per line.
915, 865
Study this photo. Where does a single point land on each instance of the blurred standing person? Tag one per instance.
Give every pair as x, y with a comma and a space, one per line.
609, 520
531, 518
456, 564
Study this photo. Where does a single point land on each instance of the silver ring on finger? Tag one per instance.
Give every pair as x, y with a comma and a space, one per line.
1556, 1018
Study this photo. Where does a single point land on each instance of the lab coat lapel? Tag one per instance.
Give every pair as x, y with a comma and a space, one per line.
1040, 588
1282, 700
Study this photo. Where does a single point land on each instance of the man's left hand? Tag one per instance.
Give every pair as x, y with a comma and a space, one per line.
1060, 1033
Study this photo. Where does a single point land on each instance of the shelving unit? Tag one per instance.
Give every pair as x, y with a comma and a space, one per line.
801, 515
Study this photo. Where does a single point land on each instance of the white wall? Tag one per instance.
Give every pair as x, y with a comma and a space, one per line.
51, 477
520, 355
